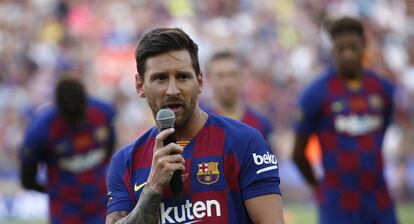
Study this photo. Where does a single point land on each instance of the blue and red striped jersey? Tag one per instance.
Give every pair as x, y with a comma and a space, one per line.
350, 125
76, 157
227, 162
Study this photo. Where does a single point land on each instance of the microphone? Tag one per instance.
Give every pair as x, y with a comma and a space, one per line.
166, 119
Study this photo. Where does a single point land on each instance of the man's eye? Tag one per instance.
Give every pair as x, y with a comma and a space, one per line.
160, 78
182, 77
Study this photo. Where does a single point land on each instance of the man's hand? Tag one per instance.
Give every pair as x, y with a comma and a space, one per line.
299, 157
165, 160
28, 177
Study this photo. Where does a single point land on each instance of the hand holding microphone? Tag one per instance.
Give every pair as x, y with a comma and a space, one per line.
167, 163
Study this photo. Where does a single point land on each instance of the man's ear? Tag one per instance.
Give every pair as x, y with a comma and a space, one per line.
139, 86
200, 82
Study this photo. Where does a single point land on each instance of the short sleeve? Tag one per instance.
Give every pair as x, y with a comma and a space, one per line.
34, 141
259, 170
119, 196
308, 109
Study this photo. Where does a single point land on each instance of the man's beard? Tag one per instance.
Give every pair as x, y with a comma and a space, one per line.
185, 114
188, 113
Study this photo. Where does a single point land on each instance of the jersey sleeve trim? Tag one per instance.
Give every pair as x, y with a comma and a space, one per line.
261, 188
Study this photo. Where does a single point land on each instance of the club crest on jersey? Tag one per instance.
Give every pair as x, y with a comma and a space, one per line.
208, 173
101, 134
375, 101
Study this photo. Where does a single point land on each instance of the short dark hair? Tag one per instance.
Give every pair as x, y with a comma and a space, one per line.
70, 98
164, 40
222, 54
346, 24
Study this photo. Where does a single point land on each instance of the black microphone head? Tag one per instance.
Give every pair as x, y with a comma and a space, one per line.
165, 118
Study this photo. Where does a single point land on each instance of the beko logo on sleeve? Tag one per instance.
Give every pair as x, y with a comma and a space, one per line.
267, 159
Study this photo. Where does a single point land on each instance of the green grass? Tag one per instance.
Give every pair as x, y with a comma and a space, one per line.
296, 213
406, 213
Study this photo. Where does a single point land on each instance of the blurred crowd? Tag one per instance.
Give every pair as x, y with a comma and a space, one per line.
283, 46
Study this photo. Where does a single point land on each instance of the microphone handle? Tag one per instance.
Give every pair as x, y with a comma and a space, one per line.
170, 138
176, 182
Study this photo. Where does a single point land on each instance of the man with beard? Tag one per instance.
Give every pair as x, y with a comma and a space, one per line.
229, 172
349, 108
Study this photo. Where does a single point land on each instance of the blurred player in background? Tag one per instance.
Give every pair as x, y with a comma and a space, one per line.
226, 80
75, 139
349, 108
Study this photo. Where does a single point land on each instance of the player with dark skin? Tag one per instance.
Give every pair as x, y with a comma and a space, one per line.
74, 138
349, 108
348, 53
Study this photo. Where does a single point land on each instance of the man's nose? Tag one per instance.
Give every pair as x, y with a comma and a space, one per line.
172, 89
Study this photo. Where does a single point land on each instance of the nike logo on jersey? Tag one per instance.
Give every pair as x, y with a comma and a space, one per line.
137, 188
